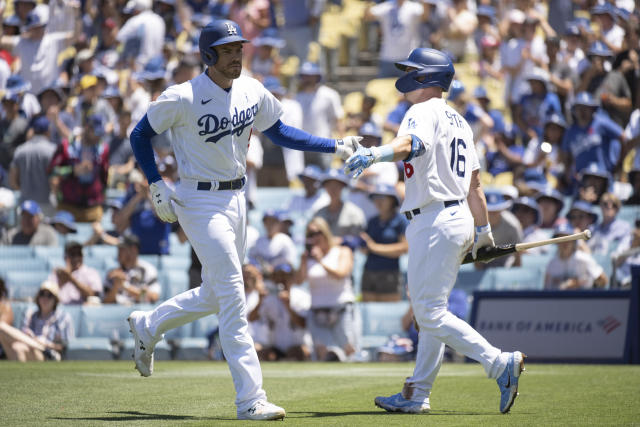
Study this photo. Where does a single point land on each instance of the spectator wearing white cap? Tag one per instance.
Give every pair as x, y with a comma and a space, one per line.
314, 196
31, 230
527, 211
144, 30
400, 26
322, 109
379, 173
44, 332
608, 32
538, 104
37, 49
505, 227
384, 242
265, 60
344, 217
572, 268
28, 171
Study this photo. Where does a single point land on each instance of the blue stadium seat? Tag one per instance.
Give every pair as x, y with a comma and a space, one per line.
22, 264
49, 252
195, 346
175, 262
106, 321
381, 320
177, 248
23, 285
102, 251
629, 213
604, 261
19, 309
75, 311
173, 282
516, 278
538, 261
16, 251
272, 197
469, 278
151, 259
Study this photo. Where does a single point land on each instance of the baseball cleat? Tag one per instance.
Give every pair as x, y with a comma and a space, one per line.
508, 381
142, 353
262, 411
397, 403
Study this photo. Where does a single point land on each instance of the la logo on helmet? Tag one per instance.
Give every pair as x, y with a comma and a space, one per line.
231, 29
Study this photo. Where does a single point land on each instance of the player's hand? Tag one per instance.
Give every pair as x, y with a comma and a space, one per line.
483, 238
161, 196
358, 162
346, 146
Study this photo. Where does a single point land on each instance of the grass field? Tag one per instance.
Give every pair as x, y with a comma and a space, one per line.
201, 393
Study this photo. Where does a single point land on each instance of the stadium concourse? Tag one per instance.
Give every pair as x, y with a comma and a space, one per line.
549, 88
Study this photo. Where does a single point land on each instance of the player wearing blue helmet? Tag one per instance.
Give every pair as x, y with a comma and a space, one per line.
211, 118
443, 201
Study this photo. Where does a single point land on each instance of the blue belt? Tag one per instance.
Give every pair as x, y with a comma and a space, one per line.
235, 184
413, 212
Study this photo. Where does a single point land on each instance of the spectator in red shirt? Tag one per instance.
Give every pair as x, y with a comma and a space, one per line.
79, 170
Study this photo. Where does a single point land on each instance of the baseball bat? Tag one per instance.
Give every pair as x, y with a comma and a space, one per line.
489, 253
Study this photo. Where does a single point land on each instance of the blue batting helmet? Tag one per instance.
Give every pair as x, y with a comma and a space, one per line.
433, 68
216, 33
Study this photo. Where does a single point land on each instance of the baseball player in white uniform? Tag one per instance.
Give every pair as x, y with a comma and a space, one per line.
443, 200
211, 118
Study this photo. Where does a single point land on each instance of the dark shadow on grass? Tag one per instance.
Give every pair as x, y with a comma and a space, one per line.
312, 414
120, 416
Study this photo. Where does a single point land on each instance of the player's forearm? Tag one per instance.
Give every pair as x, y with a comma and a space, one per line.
477, 202
297, 139
142, 149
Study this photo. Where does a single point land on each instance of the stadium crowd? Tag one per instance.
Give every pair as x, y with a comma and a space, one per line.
550, 88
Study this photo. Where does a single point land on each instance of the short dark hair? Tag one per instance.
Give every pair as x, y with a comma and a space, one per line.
128, 241
3, 289
72, 247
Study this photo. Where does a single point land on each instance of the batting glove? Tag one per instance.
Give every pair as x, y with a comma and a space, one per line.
346, 146
359, 161
161, 196
483, 238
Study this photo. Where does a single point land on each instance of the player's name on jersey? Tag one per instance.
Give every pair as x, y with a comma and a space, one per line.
217, 127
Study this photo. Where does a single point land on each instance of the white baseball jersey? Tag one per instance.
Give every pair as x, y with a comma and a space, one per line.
443, 171
211, 127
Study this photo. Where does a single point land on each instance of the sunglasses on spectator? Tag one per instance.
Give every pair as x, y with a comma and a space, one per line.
610, 205
313, 233
579, 216
45, 294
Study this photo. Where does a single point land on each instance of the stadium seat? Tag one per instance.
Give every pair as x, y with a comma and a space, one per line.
173, 282
604, 261
102, 251
49, 252
381, 320
175, 262
359, 259
151, 259
23, 285
515, 278
537, 261
16, 251
22, 264
272, 197
195, 346
469, 278
19, 309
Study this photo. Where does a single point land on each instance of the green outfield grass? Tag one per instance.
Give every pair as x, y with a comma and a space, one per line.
201, 393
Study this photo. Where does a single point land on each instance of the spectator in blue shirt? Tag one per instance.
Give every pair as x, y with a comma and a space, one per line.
593, 138
536, 105
506, 153
138, 215
385, 242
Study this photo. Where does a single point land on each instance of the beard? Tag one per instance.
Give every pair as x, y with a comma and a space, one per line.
232, 72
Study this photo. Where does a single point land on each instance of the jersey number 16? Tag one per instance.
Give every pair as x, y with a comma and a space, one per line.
459, 165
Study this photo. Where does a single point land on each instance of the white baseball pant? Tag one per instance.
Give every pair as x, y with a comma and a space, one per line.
437, 239
215, 223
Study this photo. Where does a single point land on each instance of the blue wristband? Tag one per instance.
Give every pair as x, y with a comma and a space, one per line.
384, 153
417, 148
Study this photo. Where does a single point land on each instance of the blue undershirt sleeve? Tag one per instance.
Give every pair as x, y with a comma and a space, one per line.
142, 149
290, 137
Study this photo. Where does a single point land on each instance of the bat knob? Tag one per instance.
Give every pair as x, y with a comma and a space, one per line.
587, 234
